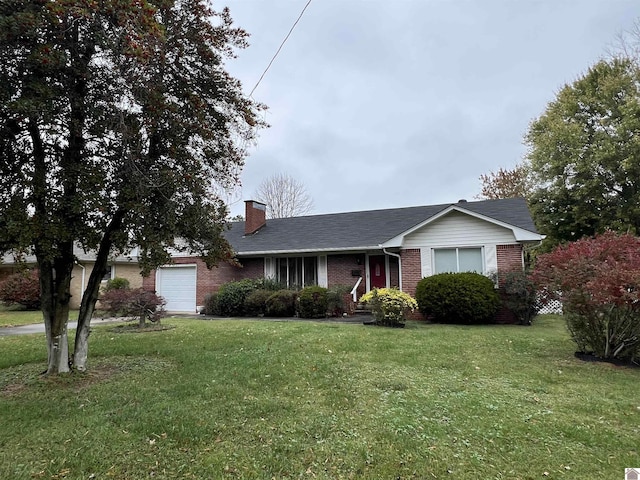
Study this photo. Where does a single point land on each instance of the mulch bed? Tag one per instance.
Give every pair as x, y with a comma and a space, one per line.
590, 357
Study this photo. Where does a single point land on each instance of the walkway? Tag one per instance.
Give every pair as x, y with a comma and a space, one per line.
39, 327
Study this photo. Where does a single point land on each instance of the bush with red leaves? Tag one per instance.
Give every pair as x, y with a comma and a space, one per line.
22, 288
598, 281
137, 302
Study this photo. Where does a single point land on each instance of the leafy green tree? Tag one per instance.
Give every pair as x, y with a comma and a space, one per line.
116, 119
585, 155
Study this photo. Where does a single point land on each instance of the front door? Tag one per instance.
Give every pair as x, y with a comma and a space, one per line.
377, 272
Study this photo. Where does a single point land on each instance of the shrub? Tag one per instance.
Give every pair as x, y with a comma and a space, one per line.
337, 303
519, 295
117, 283
598, 281
256, 302
389, 305
211, 306
270, 284
140, 303
22, 288
466, 298
281, 304
312, 302
232, 295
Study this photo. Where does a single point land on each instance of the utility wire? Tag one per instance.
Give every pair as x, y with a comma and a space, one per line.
279, 48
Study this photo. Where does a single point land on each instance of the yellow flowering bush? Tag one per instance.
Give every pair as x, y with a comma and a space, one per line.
389, 305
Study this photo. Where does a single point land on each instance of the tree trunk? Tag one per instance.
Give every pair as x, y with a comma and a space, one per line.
55, 286
91, 294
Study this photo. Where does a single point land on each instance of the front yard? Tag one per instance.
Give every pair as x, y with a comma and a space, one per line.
259, 399
13, 317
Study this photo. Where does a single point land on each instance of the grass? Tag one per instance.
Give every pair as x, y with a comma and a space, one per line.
16, 315
257, 399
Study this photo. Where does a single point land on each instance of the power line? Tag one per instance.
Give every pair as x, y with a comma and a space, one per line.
279, 48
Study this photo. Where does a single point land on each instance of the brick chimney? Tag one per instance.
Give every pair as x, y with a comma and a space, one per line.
255, 216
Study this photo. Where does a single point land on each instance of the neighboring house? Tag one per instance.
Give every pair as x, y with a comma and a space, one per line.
121, 266
363, 250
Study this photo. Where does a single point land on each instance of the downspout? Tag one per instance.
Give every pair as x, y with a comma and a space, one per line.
82, 281
391, 254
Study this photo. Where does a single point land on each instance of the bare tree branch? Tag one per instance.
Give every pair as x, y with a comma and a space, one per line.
284, 196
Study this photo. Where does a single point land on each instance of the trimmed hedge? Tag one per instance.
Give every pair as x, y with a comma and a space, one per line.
232, 295
312, 302
462, 298
256, 302
281, 304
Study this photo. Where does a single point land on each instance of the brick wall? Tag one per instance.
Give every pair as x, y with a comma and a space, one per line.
394, 272
411, 270
509, 258
130, 271
339, 269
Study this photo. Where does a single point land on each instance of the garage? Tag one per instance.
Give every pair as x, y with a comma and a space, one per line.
177, 285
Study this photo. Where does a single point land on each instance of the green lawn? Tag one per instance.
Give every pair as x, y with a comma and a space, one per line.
13, 316
258, 399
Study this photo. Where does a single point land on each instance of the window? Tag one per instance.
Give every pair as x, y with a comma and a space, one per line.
457, 260
297, 272
107, 274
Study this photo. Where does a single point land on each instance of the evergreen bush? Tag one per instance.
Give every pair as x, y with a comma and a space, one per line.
256, 302
117, 283
232, 295
312, 302
337, 300
211, 305
462, 298
519, 295
281, 304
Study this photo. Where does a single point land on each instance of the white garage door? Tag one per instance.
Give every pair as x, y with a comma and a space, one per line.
177, 285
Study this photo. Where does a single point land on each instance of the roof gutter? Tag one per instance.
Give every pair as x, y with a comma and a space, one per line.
308, 250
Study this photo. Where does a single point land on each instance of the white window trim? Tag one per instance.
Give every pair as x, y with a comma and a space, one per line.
456, 248
271, 269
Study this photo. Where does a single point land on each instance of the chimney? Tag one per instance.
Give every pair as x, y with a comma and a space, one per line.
255, 216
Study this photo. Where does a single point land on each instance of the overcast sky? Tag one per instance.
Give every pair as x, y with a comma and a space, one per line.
381, 104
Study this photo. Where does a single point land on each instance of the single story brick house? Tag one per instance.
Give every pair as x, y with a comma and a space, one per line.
363, 250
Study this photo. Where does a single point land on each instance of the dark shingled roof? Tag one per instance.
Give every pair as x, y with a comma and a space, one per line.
361, 230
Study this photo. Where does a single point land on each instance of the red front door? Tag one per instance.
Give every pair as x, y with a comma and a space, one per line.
377, 272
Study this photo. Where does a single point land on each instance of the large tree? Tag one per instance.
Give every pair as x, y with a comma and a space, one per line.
284, 196
115, 119
585, 154
507, 183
